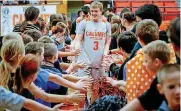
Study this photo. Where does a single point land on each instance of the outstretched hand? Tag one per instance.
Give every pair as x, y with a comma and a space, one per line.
82, 85
57, 107
75, 52
75, 97
119, 83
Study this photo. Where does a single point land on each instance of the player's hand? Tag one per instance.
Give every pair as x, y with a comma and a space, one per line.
75, 52
79, 65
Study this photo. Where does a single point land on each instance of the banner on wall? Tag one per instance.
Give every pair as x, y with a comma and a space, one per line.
12, 15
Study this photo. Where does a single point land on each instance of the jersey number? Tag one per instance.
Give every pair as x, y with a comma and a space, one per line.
96, 45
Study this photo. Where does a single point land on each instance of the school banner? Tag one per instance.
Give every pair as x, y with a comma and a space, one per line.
12, 15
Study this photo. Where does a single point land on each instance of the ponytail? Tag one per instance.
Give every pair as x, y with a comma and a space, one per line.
29, 66
18, 82
130, 17
10, 51
5, 69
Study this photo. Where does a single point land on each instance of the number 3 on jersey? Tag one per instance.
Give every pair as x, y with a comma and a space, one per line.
96, 45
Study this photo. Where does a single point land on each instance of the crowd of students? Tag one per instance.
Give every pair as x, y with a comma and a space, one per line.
40, 61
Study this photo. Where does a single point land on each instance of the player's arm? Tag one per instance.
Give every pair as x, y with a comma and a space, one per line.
108, 38
107, 43
80, 30
78, 38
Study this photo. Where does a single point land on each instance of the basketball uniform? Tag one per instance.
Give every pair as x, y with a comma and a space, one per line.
93, 44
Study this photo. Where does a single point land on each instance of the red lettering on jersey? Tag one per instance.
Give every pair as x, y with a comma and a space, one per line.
96, 35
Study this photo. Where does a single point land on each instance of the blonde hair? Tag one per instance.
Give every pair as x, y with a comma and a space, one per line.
158, 49
115, 19
114, 28
10, 51
166, 70
64, 26
97, 4
147, 31
61, 24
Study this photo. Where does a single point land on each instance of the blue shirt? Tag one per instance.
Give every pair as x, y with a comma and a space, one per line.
163, 107
42, 79
49, 67
61, 45
53, 70
135, 49
9, 100
42, 82
124, 73
52, 85
68, 39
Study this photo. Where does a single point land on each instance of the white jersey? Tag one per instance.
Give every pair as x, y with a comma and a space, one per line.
95, 34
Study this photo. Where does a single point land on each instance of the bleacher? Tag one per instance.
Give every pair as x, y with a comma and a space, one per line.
170, 8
